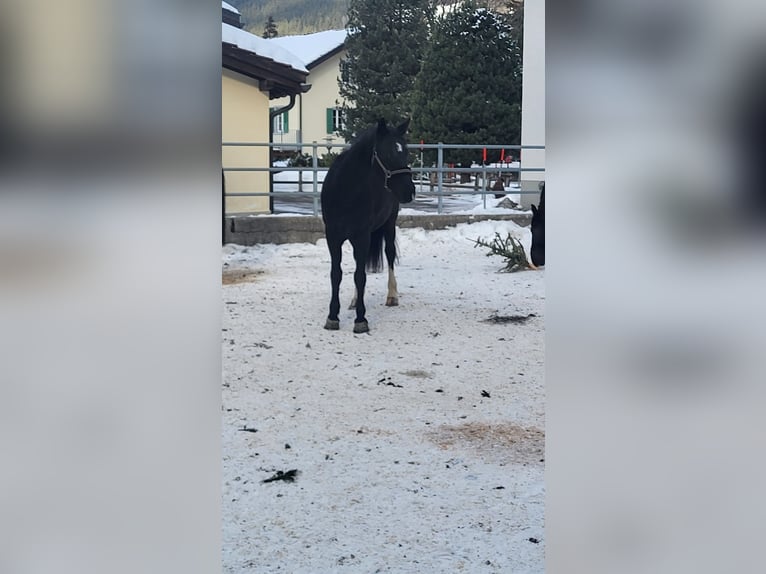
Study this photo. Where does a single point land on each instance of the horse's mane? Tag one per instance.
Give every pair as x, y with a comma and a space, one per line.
362, 143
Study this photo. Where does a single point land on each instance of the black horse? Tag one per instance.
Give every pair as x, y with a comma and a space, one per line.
537, 250
360, 202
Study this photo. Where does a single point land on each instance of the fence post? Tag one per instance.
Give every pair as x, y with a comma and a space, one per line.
300, 171
315, 165
439, 176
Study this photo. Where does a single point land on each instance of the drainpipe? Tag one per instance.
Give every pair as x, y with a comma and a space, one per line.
273, 114
300, 121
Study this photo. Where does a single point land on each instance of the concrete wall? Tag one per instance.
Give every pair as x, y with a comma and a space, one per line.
245, 118
533, 97
244, 230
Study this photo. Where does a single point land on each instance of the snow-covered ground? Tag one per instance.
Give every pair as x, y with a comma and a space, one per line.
419, 446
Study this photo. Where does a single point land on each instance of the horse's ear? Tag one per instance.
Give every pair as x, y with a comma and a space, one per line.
382, 128
402, 129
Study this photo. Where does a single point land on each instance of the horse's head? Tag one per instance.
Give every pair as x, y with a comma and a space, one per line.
390, 155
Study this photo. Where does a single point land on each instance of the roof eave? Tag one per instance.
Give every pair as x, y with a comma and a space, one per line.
277, 79
326, 56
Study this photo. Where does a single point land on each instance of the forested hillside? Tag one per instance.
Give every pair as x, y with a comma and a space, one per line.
292, 16
307, 16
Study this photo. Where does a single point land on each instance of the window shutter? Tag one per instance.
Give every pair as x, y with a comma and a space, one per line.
329, 120
285, 122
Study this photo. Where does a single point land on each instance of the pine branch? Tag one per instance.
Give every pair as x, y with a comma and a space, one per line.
509, 248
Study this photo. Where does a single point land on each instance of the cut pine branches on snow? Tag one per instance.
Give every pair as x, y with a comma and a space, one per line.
509, 248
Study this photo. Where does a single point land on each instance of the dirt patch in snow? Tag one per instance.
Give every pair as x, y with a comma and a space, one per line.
234, 276
504, 442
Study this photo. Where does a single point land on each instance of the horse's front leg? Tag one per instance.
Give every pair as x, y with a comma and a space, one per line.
336, 274
361, 251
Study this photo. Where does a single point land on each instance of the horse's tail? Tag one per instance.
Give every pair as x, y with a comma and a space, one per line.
375, 257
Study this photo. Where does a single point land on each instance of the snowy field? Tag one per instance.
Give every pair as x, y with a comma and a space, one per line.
419, 446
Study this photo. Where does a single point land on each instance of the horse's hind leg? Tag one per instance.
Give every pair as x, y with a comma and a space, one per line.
361, 250
336, 274
392, 297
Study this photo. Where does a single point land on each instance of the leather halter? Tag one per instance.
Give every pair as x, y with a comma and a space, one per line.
387, 172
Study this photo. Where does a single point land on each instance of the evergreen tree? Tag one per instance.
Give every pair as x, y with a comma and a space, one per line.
270, 30
469, 88
384, 49
515, 19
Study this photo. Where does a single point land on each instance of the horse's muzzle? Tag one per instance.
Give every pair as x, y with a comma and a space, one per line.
408, 193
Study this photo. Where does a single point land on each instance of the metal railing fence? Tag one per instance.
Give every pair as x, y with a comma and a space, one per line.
436, 173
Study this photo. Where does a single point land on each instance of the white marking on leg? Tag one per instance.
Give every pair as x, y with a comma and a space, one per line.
392, 299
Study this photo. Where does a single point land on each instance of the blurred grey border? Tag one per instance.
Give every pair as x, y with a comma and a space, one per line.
110, 301
110, 286
655, 282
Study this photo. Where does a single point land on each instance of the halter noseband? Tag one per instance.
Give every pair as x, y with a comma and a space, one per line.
387, 172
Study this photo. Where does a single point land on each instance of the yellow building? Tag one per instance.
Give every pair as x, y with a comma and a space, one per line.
316, 116
254, 73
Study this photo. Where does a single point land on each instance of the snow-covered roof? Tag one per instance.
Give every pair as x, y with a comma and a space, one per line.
229, 7
261, 47
311, 47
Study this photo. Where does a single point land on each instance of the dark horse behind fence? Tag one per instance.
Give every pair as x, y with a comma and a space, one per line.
360, 201
537, 250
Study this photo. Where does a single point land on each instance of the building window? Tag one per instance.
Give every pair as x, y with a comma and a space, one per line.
335, 120
281, 123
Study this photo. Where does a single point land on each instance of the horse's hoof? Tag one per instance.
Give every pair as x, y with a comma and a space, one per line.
361, 327
392, 301
331, 325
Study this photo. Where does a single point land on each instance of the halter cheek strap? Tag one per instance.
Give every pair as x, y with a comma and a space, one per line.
387, 172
